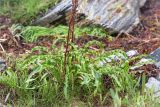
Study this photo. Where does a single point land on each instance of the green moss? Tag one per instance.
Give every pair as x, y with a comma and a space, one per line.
24, 10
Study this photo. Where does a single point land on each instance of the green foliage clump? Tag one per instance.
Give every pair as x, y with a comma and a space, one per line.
39, 79
32, 33
24, 10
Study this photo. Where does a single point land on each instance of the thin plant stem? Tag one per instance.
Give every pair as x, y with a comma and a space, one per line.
70, 36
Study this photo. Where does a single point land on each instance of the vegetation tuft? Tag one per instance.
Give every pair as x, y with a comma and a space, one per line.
33, 33
24, 10
38, 79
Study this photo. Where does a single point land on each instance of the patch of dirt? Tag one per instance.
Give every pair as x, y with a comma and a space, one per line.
144, 46
14, 45
150, 70
9, 43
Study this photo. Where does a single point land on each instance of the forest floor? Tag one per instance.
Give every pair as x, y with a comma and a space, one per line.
145, 38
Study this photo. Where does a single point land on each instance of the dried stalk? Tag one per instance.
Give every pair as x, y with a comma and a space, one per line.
70, 36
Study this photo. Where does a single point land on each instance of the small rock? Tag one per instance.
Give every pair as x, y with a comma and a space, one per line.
132, 53
155, 55
157, 64
3, 65
154, 85
112, 58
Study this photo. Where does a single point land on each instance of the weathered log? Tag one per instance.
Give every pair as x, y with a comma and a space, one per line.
55, 13
119, 15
